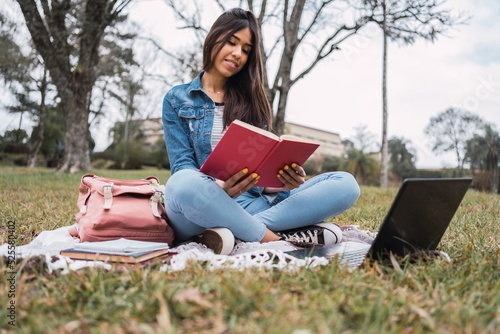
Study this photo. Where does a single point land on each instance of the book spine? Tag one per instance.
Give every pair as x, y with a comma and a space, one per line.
263, 161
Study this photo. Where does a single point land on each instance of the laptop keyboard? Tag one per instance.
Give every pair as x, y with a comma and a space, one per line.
349, 253
353, 258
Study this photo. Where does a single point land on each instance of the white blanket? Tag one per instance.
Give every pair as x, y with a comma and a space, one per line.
244, 255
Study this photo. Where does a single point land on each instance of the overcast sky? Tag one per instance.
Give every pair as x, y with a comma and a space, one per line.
345, 91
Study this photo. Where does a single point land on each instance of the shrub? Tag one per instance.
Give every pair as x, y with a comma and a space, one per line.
16, 148
22, 161
310, 167
331, 163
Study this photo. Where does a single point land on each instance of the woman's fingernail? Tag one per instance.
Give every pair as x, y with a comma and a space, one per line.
245, 170
286, 167
255, 175
294, 165
281, 171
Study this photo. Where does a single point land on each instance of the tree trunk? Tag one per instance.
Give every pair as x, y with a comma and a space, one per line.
494, 180
460, 162
291, 28
385, 146
360, 173
76, 147
41, 123
279, 119
18, 133
493, 166
126, 136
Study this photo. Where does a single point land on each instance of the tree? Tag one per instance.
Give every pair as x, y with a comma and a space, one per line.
359, 161
450, 130
402, 158
483, 152
68, 37
317, 28
360, 164
331, 163
52, 147
362, 140
37, 109
130, 88
14, 141
42, 88
12, 61
159, 154
27, 78
405, 22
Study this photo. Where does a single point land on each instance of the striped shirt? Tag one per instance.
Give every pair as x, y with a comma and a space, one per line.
218, 127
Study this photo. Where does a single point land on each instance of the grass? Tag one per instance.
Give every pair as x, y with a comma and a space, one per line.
434, 297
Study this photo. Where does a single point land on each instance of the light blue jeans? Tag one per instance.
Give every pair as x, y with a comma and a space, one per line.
194, 202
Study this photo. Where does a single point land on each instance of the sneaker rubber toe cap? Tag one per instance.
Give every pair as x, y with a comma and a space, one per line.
331, 233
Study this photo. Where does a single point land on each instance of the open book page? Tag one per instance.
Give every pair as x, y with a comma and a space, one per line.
240, 147
256, 129
270, 134
295, 138
285, 153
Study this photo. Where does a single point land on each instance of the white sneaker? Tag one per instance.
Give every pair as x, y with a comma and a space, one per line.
220, 240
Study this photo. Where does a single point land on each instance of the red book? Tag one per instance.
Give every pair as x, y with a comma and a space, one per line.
247, 146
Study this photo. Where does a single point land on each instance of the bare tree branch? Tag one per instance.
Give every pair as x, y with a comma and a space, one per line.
193, 22
58, 67
221, 6
314, 20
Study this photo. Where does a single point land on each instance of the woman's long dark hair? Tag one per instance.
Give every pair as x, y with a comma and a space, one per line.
245, 98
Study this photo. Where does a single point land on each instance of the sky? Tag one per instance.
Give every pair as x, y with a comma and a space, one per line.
343, 92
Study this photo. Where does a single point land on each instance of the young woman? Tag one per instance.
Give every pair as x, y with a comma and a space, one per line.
195, 116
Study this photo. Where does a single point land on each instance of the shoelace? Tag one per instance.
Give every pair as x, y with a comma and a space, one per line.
306, 236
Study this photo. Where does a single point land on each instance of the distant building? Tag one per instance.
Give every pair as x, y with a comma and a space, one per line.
142, 131
151, 130
330, 143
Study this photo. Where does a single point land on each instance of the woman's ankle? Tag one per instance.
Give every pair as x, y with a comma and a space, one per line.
269, 236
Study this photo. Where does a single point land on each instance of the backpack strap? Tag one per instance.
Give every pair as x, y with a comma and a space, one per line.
154, 202
107, 189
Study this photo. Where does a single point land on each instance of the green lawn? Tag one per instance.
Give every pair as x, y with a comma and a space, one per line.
435, 297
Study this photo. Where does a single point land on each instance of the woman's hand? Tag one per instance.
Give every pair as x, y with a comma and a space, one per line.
292, 176
237, 184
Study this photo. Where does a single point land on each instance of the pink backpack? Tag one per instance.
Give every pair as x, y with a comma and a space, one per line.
112, 209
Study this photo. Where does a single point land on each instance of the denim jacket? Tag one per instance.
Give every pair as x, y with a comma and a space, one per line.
188, 117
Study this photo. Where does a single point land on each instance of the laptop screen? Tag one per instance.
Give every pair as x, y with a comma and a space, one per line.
419, 215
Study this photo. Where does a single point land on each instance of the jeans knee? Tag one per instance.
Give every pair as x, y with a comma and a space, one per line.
351, 188
189, 187
181, 183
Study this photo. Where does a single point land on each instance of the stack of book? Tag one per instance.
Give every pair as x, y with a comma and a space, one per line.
123, 252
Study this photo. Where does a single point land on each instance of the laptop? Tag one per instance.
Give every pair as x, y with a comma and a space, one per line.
416, 221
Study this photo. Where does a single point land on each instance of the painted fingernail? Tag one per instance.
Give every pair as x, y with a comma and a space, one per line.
255, 175
286, 167
245, 170
279, 175
294, 165
281, 171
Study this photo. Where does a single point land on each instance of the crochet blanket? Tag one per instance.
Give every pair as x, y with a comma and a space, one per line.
244, 254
